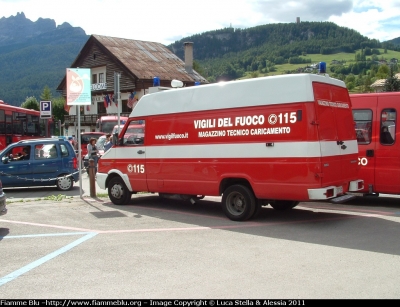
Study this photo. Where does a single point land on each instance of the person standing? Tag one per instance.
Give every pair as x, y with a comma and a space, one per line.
107, 144
93, 152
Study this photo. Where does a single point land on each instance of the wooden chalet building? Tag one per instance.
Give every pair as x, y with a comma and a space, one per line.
138, 62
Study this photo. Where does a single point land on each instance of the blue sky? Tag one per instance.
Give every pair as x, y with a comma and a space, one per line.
166, 21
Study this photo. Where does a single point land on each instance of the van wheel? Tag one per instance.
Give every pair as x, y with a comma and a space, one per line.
283, 205
118, 192
65, 183
238, 203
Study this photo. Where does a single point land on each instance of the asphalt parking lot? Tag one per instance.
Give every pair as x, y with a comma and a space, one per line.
153, 248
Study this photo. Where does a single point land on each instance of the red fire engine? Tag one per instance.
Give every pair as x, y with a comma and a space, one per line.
271, 140
377, 133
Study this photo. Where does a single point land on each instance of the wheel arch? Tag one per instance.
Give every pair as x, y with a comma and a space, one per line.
229, 181
117, 173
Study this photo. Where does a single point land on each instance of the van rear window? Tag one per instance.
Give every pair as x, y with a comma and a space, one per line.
363, 120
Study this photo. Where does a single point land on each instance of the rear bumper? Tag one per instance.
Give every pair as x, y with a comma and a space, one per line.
334, 191
356, 185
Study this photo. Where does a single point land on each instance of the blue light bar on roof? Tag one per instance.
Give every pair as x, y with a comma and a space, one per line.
156, 81
322, 68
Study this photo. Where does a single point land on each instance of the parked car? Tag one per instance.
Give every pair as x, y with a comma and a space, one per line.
3, 208
39, 162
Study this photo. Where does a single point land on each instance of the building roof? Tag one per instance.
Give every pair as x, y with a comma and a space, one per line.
381, 82
148, 59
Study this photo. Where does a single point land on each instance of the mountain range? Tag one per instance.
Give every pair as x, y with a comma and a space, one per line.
36, 54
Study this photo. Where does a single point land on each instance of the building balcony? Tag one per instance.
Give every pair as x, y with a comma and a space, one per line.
89, 120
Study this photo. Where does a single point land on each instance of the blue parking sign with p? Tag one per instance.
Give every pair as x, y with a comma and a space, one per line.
45, 109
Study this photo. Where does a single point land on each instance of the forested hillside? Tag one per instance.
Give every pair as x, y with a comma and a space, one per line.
231, 53
25, 72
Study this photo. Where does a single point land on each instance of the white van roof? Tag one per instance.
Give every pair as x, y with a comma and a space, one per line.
233, 94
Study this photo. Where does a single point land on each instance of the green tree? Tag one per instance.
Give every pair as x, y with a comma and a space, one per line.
350, 78
392, 84
46, 94
383, 72
58, 109
30, 103
197, 67
350, 85
366, 87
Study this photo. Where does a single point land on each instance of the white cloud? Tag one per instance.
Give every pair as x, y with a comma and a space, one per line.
166, 21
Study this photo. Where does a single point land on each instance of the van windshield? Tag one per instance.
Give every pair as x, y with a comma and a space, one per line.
108, 126
85, 138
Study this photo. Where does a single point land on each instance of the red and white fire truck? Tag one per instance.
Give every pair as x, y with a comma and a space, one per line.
377, 132
106, 124
271, 140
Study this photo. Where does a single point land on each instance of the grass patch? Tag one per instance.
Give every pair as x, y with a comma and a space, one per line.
58, 197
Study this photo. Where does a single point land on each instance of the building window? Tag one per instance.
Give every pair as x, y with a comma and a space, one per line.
101, 77
125, 108
101, 108
94, 78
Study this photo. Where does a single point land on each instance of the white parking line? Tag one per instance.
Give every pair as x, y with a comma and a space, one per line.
44, 259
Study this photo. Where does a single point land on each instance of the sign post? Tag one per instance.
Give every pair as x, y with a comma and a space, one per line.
45, 109
79, 94
46, 113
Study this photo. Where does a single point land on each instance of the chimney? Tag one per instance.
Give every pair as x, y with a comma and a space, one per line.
188, 57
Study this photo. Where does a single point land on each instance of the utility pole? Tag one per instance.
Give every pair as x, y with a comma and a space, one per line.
117, 94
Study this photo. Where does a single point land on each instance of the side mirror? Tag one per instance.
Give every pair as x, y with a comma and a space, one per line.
5, 160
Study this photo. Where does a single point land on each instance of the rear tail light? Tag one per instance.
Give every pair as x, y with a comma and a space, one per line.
75, 162
330, 193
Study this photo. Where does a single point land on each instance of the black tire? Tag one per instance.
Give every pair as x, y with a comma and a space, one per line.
65, 183
118, 192
238, 203
283, 205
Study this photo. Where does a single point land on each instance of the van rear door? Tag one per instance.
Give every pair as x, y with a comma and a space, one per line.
387, 174
365, 117
336, 132
379, 152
